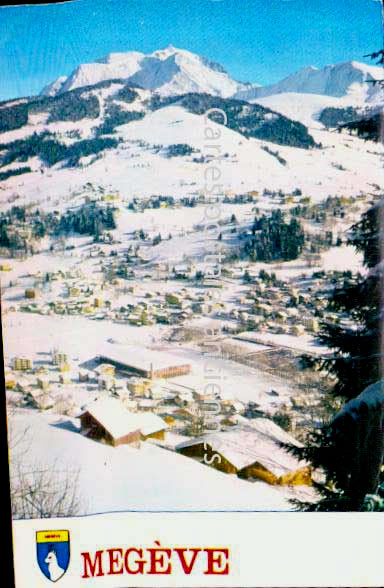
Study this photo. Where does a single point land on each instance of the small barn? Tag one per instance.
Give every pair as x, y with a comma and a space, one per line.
251, 452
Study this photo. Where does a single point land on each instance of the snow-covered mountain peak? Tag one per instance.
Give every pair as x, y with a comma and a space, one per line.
339, 80
168, 71
168, 51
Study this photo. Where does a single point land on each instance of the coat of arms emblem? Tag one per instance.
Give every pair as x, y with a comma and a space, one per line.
53, 553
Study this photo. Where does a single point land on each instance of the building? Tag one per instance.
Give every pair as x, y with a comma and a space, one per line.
105, 369
22, 363
139, 386
30, 293
40, 400
59, 358
10, 380
109, 421
43, 382
65, 377
250, 451
145, 363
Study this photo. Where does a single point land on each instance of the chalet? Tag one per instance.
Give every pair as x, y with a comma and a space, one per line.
40, 400
251, 451
109, 421
138, 386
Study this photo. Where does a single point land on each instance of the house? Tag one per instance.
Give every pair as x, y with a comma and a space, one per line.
43, 382
213, 282
184, 270
40, 400
30, 293
297, 330
83, 376
138, 386
109, 421
10, 380
157, 392
250, 451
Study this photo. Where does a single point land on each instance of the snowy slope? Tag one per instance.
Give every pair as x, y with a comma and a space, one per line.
149, 478
304, 108
343, 79
169, 71
138, 167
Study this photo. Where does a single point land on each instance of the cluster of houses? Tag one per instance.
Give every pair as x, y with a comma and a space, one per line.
287, 308
65, 292
136, 398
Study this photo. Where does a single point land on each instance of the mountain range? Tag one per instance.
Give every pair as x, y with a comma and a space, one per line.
168, 71
173, 71
130, 112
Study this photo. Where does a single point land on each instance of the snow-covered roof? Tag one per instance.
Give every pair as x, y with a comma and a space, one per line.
141, 358
150, 423
246, 445
119, 421
113, 416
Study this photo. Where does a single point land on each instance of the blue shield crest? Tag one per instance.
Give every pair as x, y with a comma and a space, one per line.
53, 553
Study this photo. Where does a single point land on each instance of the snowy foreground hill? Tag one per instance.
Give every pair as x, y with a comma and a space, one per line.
152, 478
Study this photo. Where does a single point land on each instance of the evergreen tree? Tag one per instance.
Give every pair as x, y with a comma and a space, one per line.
356, 347
355, 363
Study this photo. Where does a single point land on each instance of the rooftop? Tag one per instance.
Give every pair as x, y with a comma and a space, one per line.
141, 358
257, 442
119, 421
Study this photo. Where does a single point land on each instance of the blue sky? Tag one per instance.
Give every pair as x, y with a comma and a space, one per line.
255, 40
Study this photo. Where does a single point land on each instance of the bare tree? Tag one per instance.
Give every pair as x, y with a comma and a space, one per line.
40, 490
